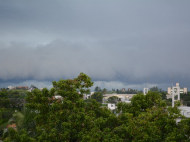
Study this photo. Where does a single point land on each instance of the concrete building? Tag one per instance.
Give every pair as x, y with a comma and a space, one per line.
175, 91
121, 97
184, 111
182, 90
123, 89
111, 106
145, 91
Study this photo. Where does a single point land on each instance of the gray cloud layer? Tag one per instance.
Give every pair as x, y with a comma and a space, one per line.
122, 41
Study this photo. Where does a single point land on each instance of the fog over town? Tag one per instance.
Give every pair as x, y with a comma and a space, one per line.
117, 43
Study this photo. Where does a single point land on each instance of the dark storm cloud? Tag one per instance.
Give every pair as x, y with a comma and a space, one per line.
122, 41
61, 59
75, 19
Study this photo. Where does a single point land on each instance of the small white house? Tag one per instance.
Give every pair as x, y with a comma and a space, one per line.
11, 87
58, 97
111, 106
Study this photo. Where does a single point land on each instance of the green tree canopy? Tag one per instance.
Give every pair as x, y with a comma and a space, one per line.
146, 118
98, 96
104, 91
113, 99
97, 89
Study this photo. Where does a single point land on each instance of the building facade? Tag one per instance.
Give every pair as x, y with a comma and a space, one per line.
123, 89
182, 90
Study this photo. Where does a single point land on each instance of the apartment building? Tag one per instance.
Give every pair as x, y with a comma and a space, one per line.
182, 90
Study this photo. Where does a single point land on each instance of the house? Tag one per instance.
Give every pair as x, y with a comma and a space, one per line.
58, 98
31, 89
41, 89
112, 106
123, 90
11, 87
13, 125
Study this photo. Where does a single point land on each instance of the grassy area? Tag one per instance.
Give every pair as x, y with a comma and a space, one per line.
104, 105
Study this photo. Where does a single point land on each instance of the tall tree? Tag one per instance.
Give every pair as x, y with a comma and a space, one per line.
146, 118
104, 91
98, 96
155, 88
113, 99
97, 89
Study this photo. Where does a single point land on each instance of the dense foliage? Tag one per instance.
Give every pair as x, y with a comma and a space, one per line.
146, 118
98, 96
10, 100
185, 98
113, 99
131, 91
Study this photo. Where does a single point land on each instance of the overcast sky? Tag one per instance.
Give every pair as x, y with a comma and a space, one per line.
118, 43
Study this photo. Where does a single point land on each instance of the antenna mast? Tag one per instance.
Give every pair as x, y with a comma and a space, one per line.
172, 79
173, 103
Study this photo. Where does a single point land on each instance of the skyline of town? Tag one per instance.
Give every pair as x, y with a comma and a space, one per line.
169, 89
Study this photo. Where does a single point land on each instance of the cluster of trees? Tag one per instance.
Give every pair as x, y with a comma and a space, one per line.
10, 100
113, 99
156, 89
98, 96
185, 99
146, 118
132, 91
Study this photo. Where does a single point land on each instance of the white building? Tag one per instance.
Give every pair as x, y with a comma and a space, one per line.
184, 111
111, 106
121, 97
87, 96
145, 91
58, 97
11, 87
182, 90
